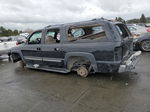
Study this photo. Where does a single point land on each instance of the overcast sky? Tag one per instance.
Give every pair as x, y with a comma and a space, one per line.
34, 14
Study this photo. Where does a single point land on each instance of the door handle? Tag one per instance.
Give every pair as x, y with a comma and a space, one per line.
38, 49
58, 49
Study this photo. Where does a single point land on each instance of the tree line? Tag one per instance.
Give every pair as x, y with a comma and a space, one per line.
142, 19
8, 32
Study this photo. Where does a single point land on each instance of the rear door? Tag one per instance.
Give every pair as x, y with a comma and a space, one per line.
53, 54
127, 40
90, 38
32, 49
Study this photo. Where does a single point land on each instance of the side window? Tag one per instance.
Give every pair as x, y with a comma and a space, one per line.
122, 31
77, 32
87, 33
35, 38
52, 36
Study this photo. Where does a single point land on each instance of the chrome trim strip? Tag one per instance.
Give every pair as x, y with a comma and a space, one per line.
53, 59
32, 58
43, 59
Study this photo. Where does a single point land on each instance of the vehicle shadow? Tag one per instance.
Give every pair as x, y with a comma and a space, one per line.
103, 79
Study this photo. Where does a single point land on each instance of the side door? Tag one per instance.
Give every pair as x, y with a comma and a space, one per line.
32, 50
53, 54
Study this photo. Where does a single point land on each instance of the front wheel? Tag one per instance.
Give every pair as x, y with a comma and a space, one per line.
10, 57
145, 45
22, 64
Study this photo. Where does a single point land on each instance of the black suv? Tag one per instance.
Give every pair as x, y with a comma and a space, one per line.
85, 47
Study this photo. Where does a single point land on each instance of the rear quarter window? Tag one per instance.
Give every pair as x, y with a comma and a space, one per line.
87, 33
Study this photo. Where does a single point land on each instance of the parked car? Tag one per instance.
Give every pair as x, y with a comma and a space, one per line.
20, 39
142, 43
85, 47
137, 30
6, 43
148, 25
24, 35
144, 25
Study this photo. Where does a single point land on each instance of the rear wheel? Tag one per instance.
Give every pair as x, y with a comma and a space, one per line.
81, 65
82, 71
145, 45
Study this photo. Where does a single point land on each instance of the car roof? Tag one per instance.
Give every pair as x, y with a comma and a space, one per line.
101, 21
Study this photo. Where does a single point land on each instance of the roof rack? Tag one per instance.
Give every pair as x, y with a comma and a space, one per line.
48, 26
75, 22
100, 19
53, 25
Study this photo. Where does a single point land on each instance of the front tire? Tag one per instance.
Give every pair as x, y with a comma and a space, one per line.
10, 57
22, 64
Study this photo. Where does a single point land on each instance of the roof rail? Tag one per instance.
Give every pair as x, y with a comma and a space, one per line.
99, 18
48, 26
53, 25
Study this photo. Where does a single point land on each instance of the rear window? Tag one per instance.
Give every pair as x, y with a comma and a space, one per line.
91, 33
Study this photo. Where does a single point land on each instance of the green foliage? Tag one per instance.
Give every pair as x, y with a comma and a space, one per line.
8, 32
120, 20
143, 19
133, 21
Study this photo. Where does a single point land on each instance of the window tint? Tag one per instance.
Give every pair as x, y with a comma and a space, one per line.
123, 30
87, 33
52, 36
35, 38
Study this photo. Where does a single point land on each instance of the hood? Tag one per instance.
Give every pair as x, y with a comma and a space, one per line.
145, 36
18, 47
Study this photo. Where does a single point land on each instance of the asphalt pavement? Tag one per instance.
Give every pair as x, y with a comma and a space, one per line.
27, 90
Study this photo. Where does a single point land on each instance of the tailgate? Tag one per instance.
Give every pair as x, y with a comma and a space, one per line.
127, 48
126, 40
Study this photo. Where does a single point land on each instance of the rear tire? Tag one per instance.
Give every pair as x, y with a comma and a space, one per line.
145, 45
80, 65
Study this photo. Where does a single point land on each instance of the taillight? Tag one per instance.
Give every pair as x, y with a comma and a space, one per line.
148, 30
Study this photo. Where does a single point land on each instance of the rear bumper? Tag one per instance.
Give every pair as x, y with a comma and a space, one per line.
130, 64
